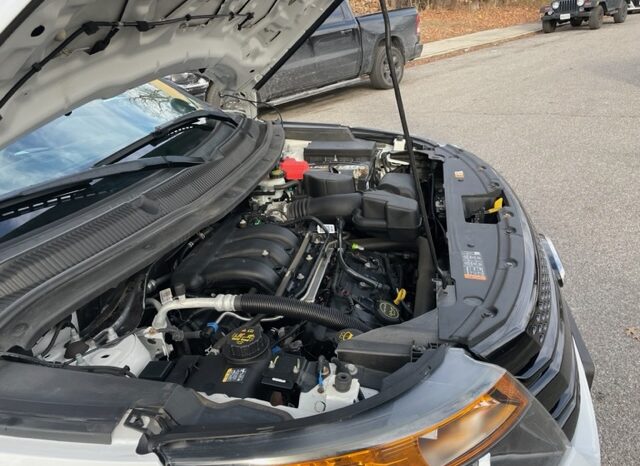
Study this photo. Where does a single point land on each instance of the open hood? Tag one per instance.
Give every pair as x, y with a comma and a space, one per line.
58, 54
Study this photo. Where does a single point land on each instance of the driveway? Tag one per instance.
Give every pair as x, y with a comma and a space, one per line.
559, 116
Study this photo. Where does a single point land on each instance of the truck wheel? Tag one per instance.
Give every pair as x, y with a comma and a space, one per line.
549, 26
596, 17
576, 22
621, 14
212, 96
380, 73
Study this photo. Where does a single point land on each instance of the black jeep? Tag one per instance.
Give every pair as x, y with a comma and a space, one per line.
578, 11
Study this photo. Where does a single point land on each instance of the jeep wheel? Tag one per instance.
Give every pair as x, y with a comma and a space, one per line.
549, 26
596, 17
380, 73
576, 22
621, 14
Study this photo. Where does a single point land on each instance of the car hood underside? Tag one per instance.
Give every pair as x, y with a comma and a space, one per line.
57, 55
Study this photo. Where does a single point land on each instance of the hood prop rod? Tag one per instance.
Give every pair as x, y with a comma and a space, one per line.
409, 142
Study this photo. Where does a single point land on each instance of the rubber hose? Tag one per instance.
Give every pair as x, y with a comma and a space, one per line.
292, 308
425, 295
325, 207
381, 244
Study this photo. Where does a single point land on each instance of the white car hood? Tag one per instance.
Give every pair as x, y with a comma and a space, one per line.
238, 48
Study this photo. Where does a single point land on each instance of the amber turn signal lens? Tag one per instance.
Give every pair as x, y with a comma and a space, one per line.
454, 441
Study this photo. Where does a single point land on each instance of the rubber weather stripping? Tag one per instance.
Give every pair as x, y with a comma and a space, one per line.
92, 27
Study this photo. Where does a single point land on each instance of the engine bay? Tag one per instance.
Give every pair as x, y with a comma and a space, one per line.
256, 306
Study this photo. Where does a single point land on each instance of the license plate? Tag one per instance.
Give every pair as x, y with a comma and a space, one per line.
564, 16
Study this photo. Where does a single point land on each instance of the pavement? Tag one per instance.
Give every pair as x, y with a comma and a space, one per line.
476, 40
559, 116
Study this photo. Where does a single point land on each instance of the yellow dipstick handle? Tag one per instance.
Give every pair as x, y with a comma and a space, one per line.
496, 206
402, 293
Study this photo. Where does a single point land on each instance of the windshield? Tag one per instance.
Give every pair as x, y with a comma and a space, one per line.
77, 140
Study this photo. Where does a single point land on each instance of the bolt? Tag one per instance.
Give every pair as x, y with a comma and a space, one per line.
309, 258
265, 253
300, 276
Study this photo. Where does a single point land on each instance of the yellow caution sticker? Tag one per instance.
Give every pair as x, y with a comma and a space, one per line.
243, 336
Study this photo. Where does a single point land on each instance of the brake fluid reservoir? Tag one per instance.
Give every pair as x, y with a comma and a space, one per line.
267, 190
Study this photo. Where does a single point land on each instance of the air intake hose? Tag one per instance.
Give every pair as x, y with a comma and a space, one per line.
325, 207
278, 305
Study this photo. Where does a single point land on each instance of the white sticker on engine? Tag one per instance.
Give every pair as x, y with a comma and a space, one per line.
330, 227
166, 295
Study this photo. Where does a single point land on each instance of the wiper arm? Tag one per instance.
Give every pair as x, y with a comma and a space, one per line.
163, 131
81, 179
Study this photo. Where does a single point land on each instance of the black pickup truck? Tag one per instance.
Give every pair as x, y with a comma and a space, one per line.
343, 50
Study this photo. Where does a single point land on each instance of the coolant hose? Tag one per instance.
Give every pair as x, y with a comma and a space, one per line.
292, 308
425, 294
259, 304
325, 207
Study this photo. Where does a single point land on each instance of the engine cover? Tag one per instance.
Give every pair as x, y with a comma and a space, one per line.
237, 257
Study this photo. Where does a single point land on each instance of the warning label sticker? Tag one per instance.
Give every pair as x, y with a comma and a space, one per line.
330, 227
473, 265
234, 374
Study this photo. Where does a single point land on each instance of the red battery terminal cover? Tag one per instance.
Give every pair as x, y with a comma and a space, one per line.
294, 169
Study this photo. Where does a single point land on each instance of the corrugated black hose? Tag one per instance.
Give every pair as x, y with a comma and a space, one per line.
292, 308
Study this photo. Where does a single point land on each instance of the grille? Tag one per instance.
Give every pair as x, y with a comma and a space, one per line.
567, 6
539, 322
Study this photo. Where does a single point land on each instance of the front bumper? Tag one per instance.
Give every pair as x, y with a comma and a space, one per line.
565, 15
585, 443
417, 51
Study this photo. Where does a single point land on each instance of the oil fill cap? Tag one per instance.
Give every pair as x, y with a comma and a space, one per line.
346, 334
245, 344
387, 312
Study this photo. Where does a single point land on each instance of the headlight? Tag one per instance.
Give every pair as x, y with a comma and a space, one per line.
580, 2
555, 5
464, 410
456, 440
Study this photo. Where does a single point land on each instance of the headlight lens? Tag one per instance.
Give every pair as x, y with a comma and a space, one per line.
580, 2
455, 440
555, 5
463, 411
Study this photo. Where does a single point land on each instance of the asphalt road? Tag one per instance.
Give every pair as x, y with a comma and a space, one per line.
559, 116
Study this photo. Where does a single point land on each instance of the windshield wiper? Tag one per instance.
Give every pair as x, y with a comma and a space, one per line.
78, 180
164, 131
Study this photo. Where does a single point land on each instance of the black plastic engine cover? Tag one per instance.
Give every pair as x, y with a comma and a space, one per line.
388, 214
235, 258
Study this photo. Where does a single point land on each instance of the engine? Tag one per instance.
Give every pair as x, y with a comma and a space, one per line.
256, 305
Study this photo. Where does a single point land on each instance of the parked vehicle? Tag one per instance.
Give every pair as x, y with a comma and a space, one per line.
344, 50
184, 285
633, 6
578, 12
